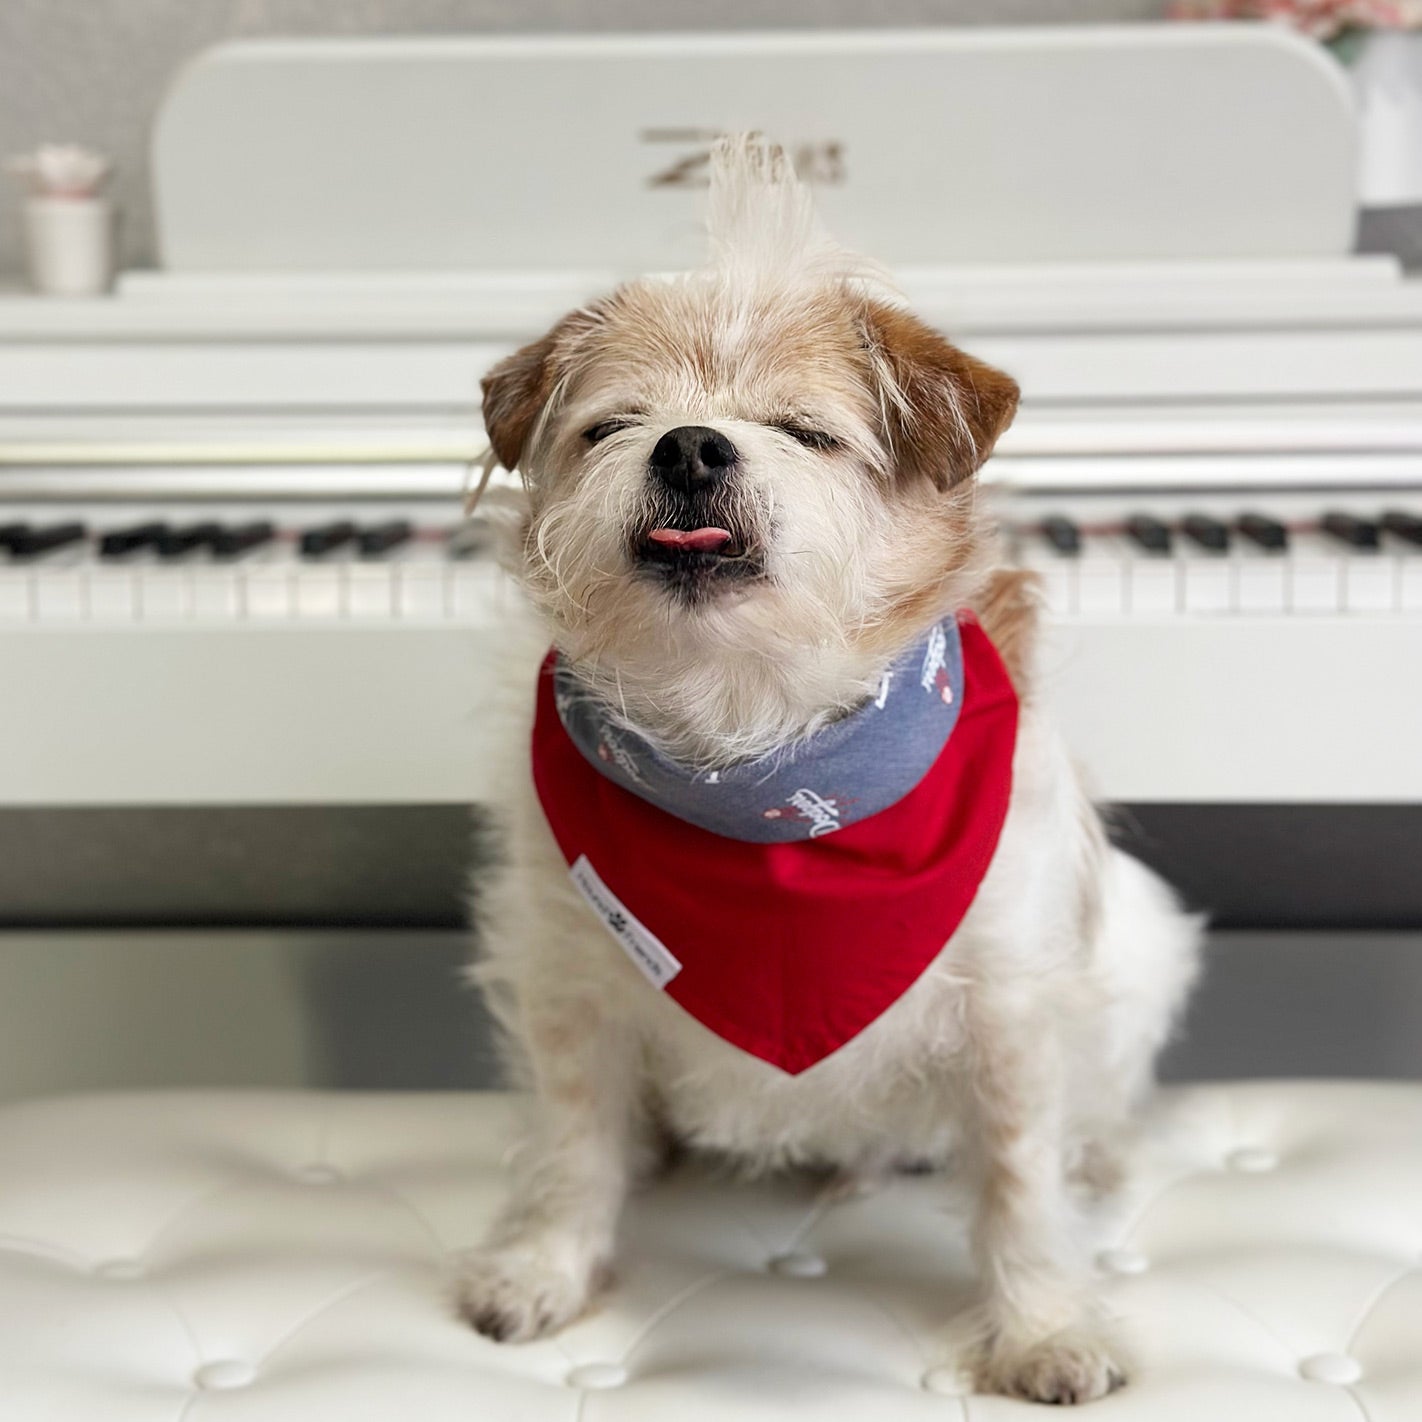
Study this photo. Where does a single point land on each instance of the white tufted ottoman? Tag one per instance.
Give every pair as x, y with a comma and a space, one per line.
277, 1258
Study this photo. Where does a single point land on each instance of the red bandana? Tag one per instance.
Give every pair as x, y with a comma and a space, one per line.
790, 950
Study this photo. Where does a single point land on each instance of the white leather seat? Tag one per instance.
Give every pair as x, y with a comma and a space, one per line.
263, 1257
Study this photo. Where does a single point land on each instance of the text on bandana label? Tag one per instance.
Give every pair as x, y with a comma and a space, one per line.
644, 948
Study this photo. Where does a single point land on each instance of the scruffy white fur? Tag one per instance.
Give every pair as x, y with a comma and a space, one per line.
1030, 1041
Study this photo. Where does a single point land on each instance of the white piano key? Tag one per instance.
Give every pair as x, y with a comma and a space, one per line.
1261, 582
1058, 579
371, 591
113, 595
61, 595
1101, 578
320, 592
1315, 577
163, 593
1154, 585
268, 592
474, 590
1410, 582
1058, 586
1207, 584
1370, 582
16, 596
420, 590
216, 594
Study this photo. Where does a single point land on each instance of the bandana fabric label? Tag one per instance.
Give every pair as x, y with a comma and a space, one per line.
645, 949
789, 947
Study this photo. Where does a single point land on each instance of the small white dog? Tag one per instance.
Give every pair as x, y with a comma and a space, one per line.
750, 515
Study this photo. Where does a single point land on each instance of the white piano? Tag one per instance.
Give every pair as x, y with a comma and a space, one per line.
235, 571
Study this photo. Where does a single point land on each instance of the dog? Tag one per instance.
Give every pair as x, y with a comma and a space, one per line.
749, 511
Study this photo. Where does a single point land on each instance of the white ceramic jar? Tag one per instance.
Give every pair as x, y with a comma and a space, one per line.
69, 244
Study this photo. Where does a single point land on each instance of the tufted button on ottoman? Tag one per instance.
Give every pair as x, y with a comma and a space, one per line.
282, 1258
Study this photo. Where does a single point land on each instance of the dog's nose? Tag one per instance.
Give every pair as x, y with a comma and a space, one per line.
693, 458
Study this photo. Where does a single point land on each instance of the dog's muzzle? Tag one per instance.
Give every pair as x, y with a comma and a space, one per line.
695, 539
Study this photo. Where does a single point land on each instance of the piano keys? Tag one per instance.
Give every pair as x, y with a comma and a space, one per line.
25, 542
205, 571
233, 540
1340, 563
1224, 562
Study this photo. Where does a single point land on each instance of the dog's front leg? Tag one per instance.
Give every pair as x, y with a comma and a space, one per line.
550, 1247
1040, 1330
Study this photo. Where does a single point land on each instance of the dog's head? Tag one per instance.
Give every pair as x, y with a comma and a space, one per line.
768, 458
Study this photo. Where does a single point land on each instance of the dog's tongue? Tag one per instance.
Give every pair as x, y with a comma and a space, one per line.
698, 540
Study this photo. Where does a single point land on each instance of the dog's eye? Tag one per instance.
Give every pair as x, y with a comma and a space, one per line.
600, 431
804, 434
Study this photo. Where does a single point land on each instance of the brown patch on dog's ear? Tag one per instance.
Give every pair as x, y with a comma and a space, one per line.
943, 410
519, 386
515, 390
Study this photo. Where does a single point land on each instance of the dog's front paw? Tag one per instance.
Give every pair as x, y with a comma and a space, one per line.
1073, 1366
515, 1294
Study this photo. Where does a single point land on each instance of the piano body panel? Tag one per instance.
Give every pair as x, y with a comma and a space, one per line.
1241, 710
1223, 352
1186, 365
442, 375
1339, 289
326, 710
238, 376
291, 716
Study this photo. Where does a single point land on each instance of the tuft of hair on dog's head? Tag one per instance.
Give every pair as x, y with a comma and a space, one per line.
941, 411
844, 431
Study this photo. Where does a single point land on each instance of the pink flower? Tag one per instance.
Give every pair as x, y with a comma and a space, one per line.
1319, 19
61, 170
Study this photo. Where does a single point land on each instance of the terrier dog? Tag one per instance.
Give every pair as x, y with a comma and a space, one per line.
802, 875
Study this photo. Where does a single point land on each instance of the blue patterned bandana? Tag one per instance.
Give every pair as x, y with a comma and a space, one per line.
846, 772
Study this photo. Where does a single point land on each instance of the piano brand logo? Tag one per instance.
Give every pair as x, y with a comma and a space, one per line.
815, 161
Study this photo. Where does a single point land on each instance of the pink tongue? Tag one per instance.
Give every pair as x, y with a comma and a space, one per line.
699, 540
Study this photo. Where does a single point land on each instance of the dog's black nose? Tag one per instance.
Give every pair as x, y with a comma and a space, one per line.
693, 458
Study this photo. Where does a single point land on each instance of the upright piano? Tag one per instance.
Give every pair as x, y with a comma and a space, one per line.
235, 570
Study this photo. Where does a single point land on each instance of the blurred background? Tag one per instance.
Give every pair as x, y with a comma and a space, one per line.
241, 854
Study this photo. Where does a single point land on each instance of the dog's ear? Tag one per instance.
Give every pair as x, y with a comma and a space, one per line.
942, 410
520, 385
515, 390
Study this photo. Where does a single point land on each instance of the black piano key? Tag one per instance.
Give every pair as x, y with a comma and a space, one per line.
1360, 534
1208, 532
177, 542
36, 542
1149, 533
382, 537
1062, 534
1266, 533
10, 533
316, 542
234, 541
1403, 525
119, 542
470, 539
